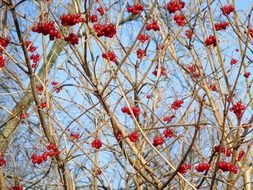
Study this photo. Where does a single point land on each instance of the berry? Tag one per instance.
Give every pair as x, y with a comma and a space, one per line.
213, 87
110, 56
96, 144
107, 30
2, 160
93, 18
177, 104
74, 136
240, 155
35, 58
221, 26
168, 133
175, 5
193, 70
56, 86
136, 110
17, 187
148, 96
238, 109
221, 149
211, 40
153, 26
101, 11
247, 74
184, 168
142, 38
118, 135
4, 42
140, 53
188, 34
71, 19
47, 28
226, 166
227, 9
163, 72
201, 167
168, 119
158, 140
29, 46
135, 9
2, 61
133, 137
43, 105
72, 39
233, 61
180, 19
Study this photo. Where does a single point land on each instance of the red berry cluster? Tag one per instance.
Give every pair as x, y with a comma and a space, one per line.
52, 151
4, 42
233, 61
24, 115
35, 58
175, 5
43, 105
221, 26
201, 167
148, 96
47, 28
133, 137
107, 30
158, 140
177, 104
40, 89
240, 155
213, 87
101, 10
193, 70
93, 18
136, 110
226, 166
143, 38
140, 53
188, 34
168, 119
180, 19
135, 9
227, 9
30, 47
110, 56
56, 86
71, 19
96, 144
118, 135
2, 160
163, 71
168, 133
17, 187
72, 38
153, 26
74, 136
238, 109
184, 168
246, 74
2, 61
211, 40
221, 149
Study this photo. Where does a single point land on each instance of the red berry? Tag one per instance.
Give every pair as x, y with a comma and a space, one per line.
110, 56
238, 109
175, 5
133, 137
201, 167
184, 168
177, 104
227, 9
168, 133
247, 74
158, 140
2, 61
96, 144
72, 39
180, 19
140, 53
233, 61
153, 26
135, 9
211, 40
221, 26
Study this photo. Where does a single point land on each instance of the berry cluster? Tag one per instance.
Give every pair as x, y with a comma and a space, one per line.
211, 40
110, 56
101, 11
238, 109
96, 143
158, 140
71, 19
136, 110
72, 38
168, 119
4, 42
30, 47
135, 9
52, 151
184, 168
47, 28
233, 61
221, 149
153, 26
93, 18
142, 38
240, 155
2, 61
168, 133
40, 89
177, 104
74, 136
226, 166
193, 70
227, 9
2, 160
35, 58
221, 26
213, 87
163, 72
133, 137
118, 135
24, 115
188, 34
43, 105
175, 5
56, 86
107, 30
17, 187
180, 19
246, 74
140, 53
201, 167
